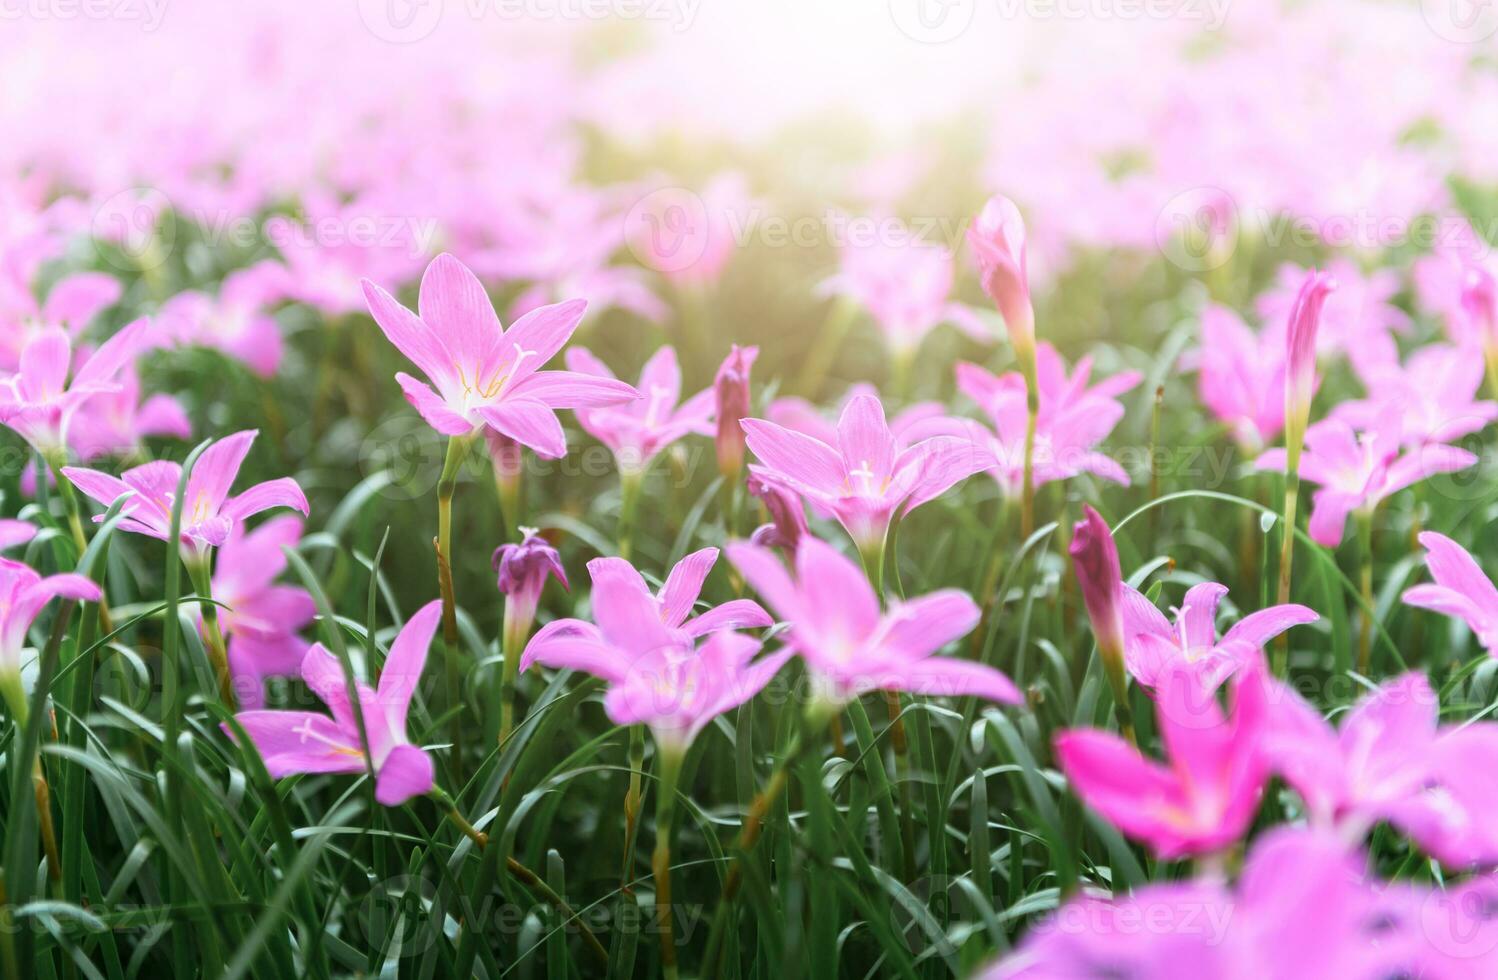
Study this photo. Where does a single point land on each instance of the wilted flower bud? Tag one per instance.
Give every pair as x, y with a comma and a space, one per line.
732, 389
997, 238
786, 514
522, 570
1300, 381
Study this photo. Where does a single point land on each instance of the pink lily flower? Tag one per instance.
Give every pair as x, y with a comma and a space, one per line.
23, 594
1461, 589
1153, 646
732, 398
294, 742
802, 416
1073, 418
997, 238
260, 619
1435, 391
632, 621
209, 514
867, 478
117, 423
636, 431
39, 401
1241, 377
71, 304
1370, 769
486, 375
234, 322
14, 532
852, 648
1357, 471
1204, 799
676, 691
905, 284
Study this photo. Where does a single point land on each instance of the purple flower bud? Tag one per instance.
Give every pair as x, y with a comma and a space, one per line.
731, 387
1095, 557
997, 238
1305, 318
786, 513
522, 570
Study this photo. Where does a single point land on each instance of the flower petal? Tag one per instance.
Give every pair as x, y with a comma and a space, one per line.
529, 423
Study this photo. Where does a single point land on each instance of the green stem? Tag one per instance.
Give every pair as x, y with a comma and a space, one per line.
1364, 521
1287, 556
75, 524
828, 341
629, 502
511, 643
457, 448
198, 571
669, 760
1032, 411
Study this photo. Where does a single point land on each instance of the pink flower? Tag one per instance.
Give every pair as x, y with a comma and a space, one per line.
1153, 647
1241, 377
802, 416
14, 532
867, 478
632, 621
787, 517
39, 402
117, 423
294, 742
71, 303
997, 238
1204, 799
209, 514
486, 375
1435, 392
23, 593
234, 322
677, 690
637, 430
850, 647
261, 619
1479, 304
1357, 471
905, 285
1461, 589
732, 403
690, 237
1072, 420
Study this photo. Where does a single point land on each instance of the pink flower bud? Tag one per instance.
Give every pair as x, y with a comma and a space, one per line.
997, 238
788, 517
522, 569
1480, 301
732, 389
1095, 557
1305, 318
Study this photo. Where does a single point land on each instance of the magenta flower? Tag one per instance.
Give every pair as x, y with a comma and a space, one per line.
234, 322
71, 303
40, 400
632, 621
1204, 799
294, 742
1073, 418
117, 423
484, 374
905, 285
787, 517
1153, 647
209, 514
997, 238
1435, 392
1371, 769
731, 403
676, 691
1461, 589
1357, 471
635, 431
23, 593
1094, 556
802, 416
261, 619
1241, 377
867, 478
14, 532
850, 647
